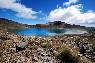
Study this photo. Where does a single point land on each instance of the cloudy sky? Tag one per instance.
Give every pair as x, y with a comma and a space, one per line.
42, 11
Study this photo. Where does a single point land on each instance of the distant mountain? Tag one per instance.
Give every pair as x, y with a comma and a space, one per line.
9, 24
6, 24
59, 24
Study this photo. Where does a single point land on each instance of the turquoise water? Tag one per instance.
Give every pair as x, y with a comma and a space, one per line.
46, 31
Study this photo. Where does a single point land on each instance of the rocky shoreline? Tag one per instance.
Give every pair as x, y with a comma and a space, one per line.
32, 49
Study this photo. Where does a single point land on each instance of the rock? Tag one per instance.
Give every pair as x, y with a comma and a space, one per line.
19, 48
40, 49
35, 59
22, 44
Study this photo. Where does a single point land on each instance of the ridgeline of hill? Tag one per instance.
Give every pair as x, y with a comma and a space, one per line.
9, 24
6, 24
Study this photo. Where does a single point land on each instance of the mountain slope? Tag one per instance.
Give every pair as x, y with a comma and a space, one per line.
5, 23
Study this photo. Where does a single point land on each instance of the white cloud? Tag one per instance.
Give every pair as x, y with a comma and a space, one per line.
72, 14
70, 2
20, 9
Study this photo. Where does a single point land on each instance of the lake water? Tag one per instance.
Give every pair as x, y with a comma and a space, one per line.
46, 31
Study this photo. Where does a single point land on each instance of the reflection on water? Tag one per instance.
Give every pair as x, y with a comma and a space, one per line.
57, 31
46, 31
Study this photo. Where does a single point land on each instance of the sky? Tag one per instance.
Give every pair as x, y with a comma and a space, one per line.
81, 12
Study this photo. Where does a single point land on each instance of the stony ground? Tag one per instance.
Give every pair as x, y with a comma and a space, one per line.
26, 49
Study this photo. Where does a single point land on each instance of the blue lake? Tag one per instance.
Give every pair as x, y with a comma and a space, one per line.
46, 31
